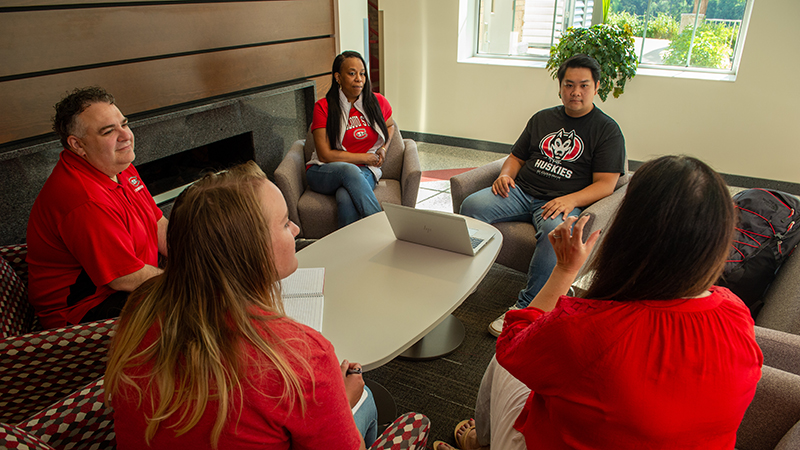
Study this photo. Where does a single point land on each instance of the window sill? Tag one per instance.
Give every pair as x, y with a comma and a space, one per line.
500, 61
645, 71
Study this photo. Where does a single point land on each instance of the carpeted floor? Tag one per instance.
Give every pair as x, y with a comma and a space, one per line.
445, 389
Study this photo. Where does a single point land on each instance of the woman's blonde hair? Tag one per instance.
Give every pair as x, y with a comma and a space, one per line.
205, 308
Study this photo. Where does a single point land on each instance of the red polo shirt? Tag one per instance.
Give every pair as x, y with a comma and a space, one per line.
85, 231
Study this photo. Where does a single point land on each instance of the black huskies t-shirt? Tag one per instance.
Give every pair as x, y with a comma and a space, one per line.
561, 152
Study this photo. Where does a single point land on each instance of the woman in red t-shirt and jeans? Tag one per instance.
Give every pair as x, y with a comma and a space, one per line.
351, 139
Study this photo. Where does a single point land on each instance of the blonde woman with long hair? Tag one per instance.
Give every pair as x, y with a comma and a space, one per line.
204, 356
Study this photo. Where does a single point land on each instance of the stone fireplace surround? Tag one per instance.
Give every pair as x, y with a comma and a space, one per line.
275, 117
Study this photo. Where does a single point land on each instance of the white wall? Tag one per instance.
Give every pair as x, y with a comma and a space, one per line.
746, 127
351, 25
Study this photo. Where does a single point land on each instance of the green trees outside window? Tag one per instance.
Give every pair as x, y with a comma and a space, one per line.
710, 45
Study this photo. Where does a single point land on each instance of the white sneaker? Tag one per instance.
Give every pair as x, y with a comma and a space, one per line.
496, 327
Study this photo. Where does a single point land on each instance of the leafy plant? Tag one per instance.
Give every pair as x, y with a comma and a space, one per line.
726, 9
663, 26
672, 7
610, 45
606, 6
711, 47
625, 19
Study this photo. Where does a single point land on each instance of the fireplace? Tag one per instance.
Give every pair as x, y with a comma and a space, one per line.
167, 177
173, 146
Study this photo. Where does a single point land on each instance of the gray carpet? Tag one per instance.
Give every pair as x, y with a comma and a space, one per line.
445, 389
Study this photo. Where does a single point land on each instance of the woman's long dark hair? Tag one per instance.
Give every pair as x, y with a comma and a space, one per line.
370, 102
670, 237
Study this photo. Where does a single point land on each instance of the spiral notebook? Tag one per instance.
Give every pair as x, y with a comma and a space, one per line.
302, 294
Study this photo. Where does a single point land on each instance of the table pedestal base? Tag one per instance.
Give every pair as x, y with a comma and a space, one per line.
387, 408
441, 341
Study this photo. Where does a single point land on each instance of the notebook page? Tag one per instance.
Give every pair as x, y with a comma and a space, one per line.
306, 310
305, 282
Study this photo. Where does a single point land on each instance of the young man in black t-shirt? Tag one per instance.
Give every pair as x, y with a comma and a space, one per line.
567, 158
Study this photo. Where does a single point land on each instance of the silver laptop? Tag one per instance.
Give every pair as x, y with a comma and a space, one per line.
435, 229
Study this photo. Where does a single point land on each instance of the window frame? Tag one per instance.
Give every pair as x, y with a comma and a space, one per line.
468, 50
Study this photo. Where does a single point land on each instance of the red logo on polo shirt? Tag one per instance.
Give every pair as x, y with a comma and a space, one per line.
135, 182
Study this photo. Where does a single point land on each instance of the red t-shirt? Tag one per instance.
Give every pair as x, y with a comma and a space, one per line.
641, 374
85, 231
262, 423
359, 137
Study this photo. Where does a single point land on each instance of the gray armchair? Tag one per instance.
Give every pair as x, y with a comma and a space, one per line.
772, 421
781, 309
315, 213
519, 238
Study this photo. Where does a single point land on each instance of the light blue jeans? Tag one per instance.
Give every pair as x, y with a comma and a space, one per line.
367, 419
352, 186
520, 207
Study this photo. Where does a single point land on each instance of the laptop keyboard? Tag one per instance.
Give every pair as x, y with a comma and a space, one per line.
475, 241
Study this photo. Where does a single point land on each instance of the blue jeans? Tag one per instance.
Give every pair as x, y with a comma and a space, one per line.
520, 207
366, 418
352, 186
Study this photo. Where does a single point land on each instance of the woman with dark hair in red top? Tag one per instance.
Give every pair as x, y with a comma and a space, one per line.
654, 356
352, 128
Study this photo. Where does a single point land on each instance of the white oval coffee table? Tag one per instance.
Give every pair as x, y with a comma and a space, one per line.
383, 295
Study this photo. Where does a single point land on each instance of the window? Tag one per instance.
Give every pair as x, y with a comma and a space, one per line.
697, 37
528, 27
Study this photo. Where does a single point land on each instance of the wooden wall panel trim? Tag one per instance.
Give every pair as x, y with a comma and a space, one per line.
36, 41
323, 83
138, 87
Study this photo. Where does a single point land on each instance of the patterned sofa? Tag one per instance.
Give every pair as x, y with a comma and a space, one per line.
39, 367
82, 421
51, 385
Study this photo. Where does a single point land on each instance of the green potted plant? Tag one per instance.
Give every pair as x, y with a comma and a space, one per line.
610, 45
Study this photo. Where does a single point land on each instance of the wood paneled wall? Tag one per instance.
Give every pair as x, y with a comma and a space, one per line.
152, 55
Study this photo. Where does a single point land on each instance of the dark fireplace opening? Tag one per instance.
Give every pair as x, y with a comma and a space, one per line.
167, 177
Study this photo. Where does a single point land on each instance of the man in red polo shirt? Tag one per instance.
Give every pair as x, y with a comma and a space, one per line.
94, 232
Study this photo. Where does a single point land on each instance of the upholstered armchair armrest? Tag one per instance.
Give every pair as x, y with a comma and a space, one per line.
14, 437
411, 174
464, 184
773, 413
15, 257
781, 309
623, 180
289, 178
603, 211
781, 350
53, 362
79, 420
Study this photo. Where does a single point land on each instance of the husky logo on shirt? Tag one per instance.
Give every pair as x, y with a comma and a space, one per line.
562, 146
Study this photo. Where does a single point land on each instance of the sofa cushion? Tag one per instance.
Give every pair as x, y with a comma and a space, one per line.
15, 311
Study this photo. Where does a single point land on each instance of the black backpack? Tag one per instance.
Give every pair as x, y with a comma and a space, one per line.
766, 235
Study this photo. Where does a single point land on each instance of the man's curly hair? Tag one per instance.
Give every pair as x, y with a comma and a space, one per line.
72, 105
